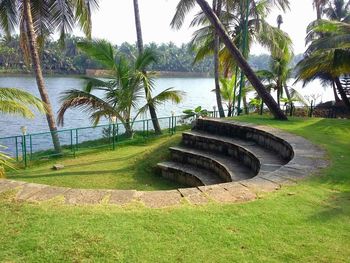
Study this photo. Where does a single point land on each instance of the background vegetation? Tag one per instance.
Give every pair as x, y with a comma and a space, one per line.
69, 60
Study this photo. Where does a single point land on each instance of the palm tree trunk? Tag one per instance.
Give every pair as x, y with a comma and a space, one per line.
289, 98
336, 97
245, 105
151, 108
39, 75
242, 63
217, 7
342, 93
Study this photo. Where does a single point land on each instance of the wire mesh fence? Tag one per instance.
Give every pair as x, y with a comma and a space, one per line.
29, 147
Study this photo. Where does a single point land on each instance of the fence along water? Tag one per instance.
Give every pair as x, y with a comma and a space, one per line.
29, 147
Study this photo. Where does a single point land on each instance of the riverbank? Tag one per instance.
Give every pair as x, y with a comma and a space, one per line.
102, 73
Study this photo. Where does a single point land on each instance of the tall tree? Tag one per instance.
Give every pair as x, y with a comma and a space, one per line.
37, 19
34, 54
151, 107
319, 5
328, 55
241, 62
217, 6
122, 88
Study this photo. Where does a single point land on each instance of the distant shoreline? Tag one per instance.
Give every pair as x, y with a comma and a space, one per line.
101, 73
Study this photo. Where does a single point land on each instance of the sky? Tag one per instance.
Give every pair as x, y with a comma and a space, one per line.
114, 21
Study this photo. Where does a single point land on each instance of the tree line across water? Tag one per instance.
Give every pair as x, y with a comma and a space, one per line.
68, 59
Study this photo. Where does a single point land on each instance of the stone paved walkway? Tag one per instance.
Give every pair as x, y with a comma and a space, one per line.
308, 159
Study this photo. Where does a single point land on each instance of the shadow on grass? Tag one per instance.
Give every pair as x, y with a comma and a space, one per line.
140, 167
337, 205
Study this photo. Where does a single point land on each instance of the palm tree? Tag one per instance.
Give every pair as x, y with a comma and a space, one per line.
319, 6
235, 21
338, 10
17, 102
183, 7
152, 110
37, 19
227, 90
327, 57
241, 61
122, 88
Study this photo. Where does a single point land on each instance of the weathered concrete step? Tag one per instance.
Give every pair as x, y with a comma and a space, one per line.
247, 132
188, 174
265, 156
227, 168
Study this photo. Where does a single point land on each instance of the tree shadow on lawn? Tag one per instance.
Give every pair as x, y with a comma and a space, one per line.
141, 168
337, 205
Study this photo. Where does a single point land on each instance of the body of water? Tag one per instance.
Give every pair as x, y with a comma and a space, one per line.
198, 92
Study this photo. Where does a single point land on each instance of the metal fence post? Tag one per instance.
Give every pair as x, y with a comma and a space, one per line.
31, 146
24, 150
143, 128
76, 140
113, 137
147, 128
169, 125
16, 141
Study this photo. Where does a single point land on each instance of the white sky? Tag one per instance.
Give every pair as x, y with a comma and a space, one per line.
114, 21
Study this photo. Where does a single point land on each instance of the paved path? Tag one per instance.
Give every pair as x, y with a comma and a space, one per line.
308, 159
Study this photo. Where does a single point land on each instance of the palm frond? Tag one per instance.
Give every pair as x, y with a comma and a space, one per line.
100, 50
8, 16
182, 9
22, 98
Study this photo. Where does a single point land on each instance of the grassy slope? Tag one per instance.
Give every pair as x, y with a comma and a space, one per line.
304, 223
130, 166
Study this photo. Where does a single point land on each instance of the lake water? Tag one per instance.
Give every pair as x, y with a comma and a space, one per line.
198, 92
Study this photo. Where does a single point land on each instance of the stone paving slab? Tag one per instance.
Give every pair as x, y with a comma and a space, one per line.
48, 193
273, 177
160, 199
7, 185
28, 190
259, 184
218, 193
121, 197
84, 197
194, 196
240, 192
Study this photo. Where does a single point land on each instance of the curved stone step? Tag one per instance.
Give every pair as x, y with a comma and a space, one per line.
247, 132
188, 174
227, 168
245, 151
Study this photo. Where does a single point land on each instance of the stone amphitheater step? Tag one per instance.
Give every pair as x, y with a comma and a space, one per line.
188, 174
228, 168
269, 160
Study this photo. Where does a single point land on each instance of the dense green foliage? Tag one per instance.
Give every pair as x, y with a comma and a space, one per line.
70, 60
303, 223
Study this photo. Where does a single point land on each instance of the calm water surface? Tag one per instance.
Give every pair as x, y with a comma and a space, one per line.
198, 92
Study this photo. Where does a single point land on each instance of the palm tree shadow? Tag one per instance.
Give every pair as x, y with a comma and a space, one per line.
337, 205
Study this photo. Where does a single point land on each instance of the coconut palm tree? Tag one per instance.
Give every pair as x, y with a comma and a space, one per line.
122, 88
183, 7
241, 61
327, 57
17, 102
338, 10
37, 19
148, 94
227, 90
319, 6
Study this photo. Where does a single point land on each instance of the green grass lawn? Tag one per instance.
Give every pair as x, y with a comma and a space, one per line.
131, 166
308, 222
